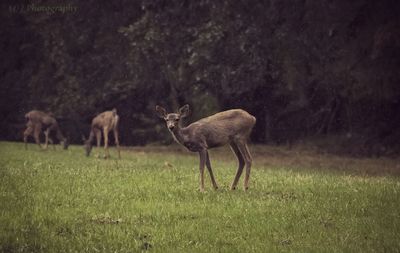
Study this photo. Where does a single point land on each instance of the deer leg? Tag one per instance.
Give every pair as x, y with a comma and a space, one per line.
105, 133
46, 135
208, 164
244, 150
117, 142
52, 143
27, 132
239, 171
26, 141
36, 134
248, 168
203, 157
98, 141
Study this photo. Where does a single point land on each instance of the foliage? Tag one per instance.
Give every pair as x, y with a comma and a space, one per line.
303, 68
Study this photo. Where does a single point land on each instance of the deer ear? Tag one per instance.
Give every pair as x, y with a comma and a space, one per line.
161, 112
184, 111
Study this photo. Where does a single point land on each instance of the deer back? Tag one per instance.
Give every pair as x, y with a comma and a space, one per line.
107, 119
39, 117
221, 128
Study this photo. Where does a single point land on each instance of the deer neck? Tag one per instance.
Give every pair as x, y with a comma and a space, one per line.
180, 134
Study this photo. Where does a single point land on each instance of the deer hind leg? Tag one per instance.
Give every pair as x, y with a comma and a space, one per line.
98, 141
208, 164
244, 150
241, 163
203, 158
117, 142
36, 133
105, 133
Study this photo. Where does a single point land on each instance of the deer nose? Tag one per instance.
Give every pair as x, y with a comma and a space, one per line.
170, 125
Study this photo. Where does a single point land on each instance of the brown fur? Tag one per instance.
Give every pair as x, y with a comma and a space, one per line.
104, 122
38, 121
231, 127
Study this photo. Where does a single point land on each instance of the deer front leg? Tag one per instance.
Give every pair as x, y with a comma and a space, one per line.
27, 132
98, 141
203, 157
105, 133
46, 135
52, 143
117, 142
26, 141
208, 164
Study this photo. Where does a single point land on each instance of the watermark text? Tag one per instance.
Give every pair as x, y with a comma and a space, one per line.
43, 8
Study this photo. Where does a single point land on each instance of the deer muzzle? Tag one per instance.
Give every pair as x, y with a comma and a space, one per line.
170, 125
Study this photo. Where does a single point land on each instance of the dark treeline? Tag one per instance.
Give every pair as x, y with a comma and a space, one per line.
305, 69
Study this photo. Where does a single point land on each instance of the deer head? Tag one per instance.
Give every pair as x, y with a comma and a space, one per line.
86, 145
65, 143
173, 120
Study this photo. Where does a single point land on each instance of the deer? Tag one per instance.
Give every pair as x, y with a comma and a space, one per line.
30, 131
38, 121
103, 123
231, 127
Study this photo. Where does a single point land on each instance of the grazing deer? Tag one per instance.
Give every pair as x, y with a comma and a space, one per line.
232, 126
38, 121
30, 130
104, 122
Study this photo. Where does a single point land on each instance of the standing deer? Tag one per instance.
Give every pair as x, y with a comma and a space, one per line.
38, 121
104, 122
232, 126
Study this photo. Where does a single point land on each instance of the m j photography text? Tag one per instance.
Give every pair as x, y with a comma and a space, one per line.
42, 8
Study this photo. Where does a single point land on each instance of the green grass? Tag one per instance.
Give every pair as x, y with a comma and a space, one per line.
62, 201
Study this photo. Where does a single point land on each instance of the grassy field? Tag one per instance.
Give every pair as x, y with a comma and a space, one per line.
298, 201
